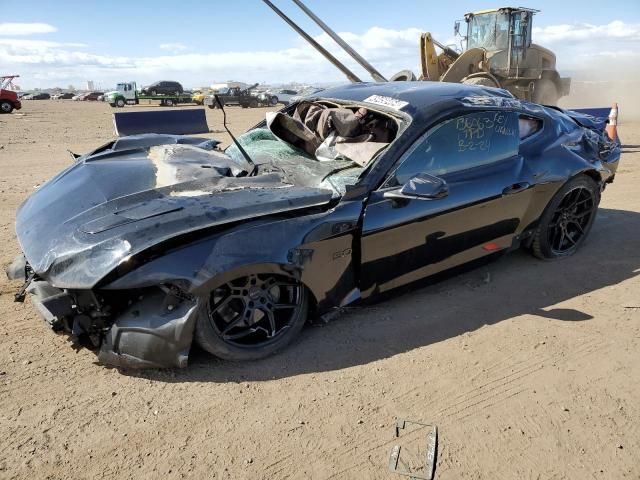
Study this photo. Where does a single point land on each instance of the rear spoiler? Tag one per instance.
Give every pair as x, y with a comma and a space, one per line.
590, 117
601, 119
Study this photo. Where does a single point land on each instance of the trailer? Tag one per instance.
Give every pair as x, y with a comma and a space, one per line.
126, 93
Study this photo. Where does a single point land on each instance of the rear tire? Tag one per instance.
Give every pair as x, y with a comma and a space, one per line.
273, 101
169, 102
252, 317
6, 107
480, 81
403, 76
567, 220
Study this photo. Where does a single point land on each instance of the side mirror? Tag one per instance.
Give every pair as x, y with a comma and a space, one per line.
456, 28
422, 187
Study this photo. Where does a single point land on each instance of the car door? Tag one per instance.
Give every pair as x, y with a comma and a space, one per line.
476, 154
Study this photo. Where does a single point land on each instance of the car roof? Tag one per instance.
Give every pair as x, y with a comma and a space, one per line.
420, 98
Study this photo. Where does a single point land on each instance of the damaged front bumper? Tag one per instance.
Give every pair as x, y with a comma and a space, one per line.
151, 328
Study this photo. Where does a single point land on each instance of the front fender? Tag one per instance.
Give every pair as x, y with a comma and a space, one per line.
316, 249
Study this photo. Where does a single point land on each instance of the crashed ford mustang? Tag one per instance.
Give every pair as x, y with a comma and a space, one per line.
152, 241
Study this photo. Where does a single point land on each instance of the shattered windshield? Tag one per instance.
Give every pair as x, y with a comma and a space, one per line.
489, 31
317, 145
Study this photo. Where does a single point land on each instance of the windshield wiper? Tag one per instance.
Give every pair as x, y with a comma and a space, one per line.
254, 168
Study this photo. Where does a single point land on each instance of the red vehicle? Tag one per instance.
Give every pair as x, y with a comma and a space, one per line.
8, 98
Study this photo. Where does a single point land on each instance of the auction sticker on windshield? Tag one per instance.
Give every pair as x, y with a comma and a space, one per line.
386, 101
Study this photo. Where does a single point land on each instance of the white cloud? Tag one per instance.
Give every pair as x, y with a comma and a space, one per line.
173, 47
575, 33
14, 29
593, 51
45, 64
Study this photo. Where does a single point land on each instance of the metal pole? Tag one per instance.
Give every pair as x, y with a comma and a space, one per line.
377, 76
350, 75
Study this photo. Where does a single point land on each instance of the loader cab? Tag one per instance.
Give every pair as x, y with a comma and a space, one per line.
506, 30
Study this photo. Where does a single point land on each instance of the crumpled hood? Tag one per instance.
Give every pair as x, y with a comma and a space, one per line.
121, 200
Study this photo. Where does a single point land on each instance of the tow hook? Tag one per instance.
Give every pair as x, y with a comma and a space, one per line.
21, 294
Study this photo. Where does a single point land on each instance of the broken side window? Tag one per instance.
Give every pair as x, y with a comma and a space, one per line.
527, 126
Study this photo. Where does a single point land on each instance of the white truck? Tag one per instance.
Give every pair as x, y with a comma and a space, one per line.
126, 93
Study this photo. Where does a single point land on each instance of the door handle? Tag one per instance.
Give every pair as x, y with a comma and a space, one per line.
515, 188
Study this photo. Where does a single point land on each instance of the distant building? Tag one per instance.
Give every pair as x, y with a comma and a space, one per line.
90, 85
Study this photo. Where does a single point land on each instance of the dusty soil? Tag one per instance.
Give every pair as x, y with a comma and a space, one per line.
529, 369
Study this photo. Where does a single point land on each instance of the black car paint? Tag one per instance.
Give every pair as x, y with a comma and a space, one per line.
163, 87
341, 250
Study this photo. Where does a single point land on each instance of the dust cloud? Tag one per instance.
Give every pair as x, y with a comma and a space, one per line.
592, 90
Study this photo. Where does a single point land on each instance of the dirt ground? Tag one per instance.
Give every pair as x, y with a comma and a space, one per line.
531, 370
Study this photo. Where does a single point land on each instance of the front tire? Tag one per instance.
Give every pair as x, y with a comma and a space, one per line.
252, 317
567, 220
6, 107
120, 102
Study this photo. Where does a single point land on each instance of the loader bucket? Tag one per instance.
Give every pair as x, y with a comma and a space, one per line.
173, 122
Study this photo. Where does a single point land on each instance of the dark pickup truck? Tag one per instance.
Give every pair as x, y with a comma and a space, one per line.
236, 96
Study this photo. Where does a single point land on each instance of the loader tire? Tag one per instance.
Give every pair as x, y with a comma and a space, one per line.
403, 76
480, 81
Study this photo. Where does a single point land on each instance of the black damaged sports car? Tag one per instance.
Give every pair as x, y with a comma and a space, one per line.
152, 241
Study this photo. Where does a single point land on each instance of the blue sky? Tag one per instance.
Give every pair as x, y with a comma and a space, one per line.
200, 42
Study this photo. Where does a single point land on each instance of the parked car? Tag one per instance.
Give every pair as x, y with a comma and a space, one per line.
63, 96
91, 96
9, 100
284, 96
245, 97
199, 96
307, 92
37, 96
163, 87
136, 249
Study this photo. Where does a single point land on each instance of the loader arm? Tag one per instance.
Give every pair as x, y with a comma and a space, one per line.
432, 65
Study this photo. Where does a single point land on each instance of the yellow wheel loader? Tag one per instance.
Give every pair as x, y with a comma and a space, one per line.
498, 53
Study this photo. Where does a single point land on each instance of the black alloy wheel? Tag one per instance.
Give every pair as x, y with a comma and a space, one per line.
568, 219
252, 317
